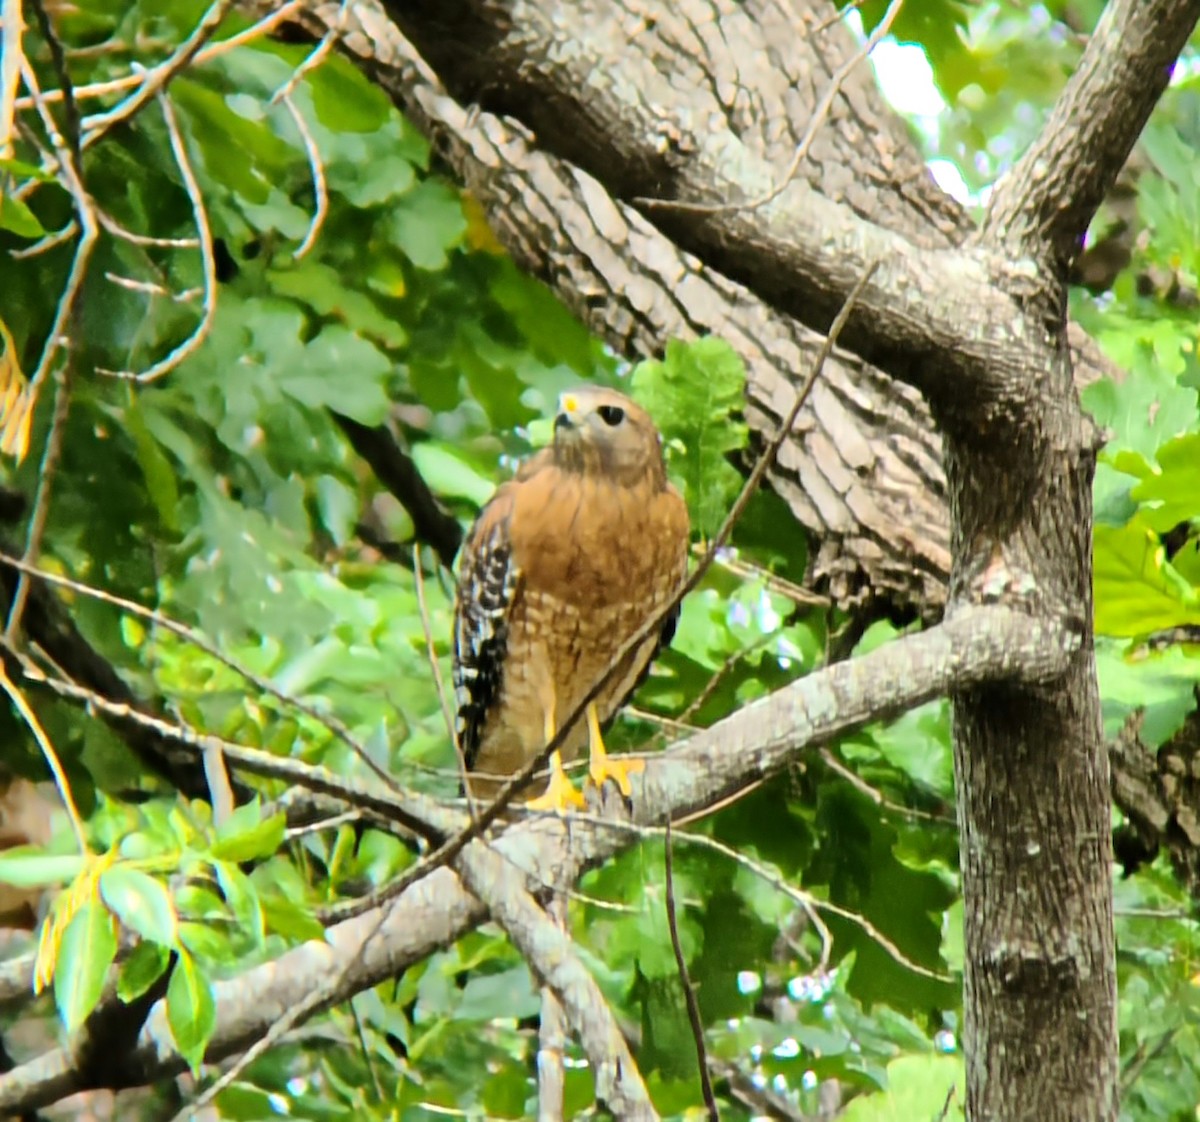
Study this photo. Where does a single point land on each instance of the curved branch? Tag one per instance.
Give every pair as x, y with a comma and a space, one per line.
1050, 196
978, 645
395, 469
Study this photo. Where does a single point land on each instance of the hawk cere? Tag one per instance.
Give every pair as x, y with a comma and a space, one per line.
563, 565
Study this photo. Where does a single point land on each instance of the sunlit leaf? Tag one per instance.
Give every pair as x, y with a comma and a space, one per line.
87, 950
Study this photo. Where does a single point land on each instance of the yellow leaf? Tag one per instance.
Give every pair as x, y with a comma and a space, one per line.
85, 886
480, 235
16, 401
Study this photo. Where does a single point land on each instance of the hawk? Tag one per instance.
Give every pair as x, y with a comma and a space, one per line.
563, 565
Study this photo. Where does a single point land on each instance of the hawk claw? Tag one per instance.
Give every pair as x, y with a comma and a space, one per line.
559, 796
605, 767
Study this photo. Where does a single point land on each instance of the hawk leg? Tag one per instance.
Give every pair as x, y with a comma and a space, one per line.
601, 765
559, 796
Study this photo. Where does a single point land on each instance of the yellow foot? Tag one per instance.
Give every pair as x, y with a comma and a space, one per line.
602, 766
619, 771
559, 795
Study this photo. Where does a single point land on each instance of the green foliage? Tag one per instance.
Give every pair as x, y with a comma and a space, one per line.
695, 395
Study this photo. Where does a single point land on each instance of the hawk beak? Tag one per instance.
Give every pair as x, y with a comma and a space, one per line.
568, 410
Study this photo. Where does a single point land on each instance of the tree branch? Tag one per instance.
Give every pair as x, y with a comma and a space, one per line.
978, 645
395, 469
935, 317
1048, 199
550, 954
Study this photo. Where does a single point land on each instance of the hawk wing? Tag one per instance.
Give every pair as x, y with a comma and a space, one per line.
488, 582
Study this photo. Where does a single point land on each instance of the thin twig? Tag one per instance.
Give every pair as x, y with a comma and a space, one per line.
820, 113
722, 672
417, 813
436, 667
837, 17
320, 186
321, 994
552, 1037
12, 55
50, 756
368, 1058
208, 260
118, 231
878, 797
689, 993
315, 57
44, 245
153, 82
214, 50
190, 635
66, 320
58, 59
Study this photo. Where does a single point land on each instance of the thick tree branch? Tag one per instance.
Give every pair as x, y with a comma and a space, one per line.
977, 646
648, 141
1049, 197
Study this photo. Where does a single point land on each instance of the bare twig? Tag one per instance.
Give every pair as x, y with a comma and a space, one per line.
878, 797
320, 996
190, 635
207, 54
689, 993
315, 57
49, 755
436, 668
397, 471
552, 1042
208, 259
66, 319
818, 118
713, 684
317, 167
417, 813
154, 82
12, 55
119, 231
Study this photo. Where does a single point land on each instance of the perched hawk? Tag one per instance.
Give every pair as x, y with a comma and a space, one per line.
563, 565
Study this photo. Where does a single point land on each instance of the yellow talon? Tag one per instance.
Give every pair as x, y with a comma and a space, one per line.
559, 795
601, 766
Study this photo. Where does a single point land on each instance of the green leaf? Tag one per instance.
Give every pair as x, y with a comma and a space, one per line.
191, 1011
426, 223
918, 1088
450, 474
140, 902
1171, 494
88, 948
291, 920
1137, 589
247, 835
695, 395
29, 867
18, 218
242, 898
143, 967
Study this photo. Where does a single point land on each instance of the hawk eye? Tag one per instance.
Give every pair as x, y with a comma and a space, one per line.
611, 415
